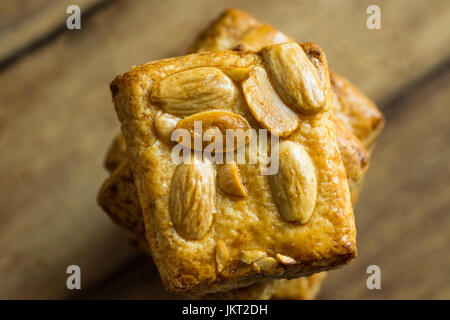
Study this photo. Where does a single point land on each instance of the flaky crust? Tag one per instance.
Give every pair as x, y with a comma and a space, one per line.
116, 153
119, 199
225, 31
356, 110
354, 157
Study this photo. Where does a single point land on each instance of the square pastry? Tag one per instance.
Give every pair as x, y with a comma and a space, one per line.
212, 226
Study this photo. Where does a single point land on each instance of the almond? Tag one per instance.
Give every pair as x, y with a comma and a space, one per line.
294, 186
230, 181
284, 259
164, 125
190, 91
219, 120
192, 198
294, 77
317, 57
259, 260
250, 256
266, 106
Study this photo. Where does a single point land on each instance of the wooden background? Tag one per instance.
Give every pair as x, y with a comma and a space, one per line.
57, 120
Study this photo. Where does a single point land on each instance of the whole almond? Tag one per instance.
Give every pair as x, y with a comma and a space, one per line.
190, 91
266, 106
294, 77
294, 186
192, 198
317, 57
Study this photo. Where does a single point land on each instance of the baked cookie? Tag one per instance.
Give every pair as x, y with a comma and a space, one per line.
229, 30
204, 235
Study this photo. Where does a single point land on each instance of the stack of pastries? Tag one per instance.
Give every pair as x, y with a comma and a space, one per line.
226, 231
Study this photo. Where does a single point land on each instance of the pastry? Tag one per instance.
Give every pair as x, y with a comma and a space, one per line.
294, 223
118, 198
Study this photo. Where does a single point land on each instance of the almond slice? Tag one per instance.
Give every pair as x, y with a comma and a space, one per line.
294, 77
284, 259
237, 74
229, 180
190, 91
216, 120
294, 186
250, 256
266, 106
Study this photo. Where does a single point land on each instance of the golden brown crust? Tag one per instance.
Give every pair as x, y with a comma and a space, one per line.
118, 197
304, 288
236, 29
116, 153
356, 110
354, 156
119, 200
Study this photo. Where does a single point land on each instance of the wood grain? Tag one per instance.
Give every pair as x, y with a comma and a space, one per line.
23, 22
57, 120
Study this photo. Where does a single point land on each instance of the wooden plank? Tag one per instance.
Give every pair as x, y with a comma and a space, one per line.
402, 217
138, 279
22, 23
56, 118
380, 60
